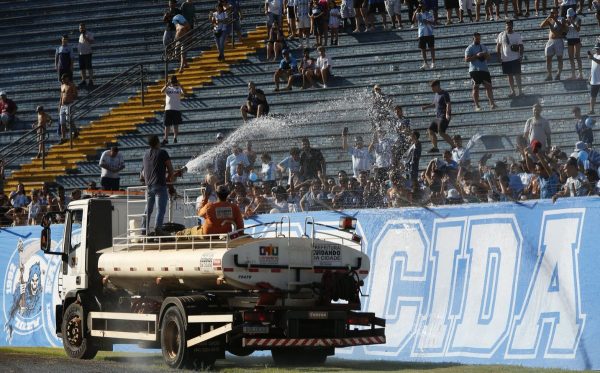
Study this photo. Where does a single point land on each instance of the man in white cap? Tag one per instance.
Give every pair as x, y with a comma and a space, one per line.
8, 110
594, 76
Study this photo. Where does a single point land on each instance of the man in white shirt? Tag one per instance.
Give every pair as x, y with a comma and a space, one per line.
323, 66
382, 146
86, 39
111, 163
538, 128
233, 160
173, 92
361, 159
594, 76
509, 46
274, 10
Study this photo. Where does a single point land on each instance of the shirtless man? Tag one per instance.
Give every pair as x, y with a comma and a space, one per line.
43, 121
555, 45
182, 27
68, 95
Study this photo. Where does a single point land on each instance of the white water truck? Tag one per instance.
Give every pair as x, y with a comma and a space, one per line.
196, 297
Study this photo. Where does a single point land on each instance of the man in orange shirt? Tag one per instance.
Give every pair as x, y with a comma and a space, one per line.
219, 215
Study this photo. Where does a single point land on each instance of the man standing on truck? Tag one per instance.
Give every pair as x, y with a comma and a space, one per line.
219, 215
157, 170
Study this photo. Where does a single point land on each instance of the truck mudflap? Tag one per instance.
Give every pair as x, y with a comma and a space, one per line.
267, 343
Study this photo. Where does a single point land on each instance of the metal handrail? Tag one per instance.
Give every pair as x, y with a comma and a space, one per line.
115, 86
21, 146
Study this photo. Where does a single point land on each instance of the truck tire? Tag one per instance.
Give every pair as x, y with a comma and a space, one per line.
173, 339
76, 342
298, 357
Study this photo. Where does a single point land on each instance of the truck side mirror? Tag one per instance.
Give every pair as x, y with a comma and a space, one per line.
45, 240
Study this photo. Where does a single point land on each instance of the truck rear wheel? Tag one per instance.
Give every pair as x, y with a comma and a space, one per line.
173, 339
295, 356
76, 343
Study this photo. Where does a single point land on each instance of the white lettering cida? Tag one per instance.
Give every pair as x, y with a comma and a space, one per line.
553, 297
399, 263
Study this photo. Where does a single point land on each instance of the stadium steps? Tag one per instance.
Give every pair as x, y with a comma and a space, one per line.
128, 115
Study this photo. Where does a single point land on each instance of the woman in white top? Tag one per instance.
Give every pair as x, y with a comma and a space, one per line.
323, 66
574, 42
219, 20
173, 92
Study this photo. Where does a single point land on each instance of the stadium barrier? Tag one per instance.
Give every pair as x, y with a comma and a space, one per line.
509, 283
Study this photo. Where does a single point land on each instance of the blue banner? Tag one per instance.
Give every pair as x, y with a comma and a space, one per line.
509, 283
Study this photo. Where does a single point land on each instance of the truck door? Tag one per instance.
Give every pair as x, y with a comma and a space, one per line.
74, 245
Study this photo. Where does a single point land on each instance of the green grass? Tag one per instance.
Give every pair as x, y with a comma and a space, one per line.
264, 364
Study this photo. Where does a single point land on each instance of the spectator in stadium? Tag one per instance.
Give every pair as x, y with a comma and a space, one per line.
18, 197
323, 67
465, 6
256, 103
286, 71
188, 10
219, 216
307, 69
319, 21
376, 6
594, 76
538, 128
451, 5
425, 21
555, 45
443, 113
111, 163
459, 154
157, 171
35, 208
546, 182
275, 43
172, 118
8, 111
68, 95
573, 24
291, 163
233, 160
220, 158
536, 5
490, 5
349, 197
240, 176
274, 10
312, 162
360, 14
43, 122
219, 18
182, 27
86, 39
596, 8
565, 5
335, 18
301, 10
172, 11
347, 15
394, 8
583, 126
515, 7
477, 55
64, 57
413, 158
382, 147
361, 158
268, 171
18, 216
233, 8
431, 6
315, 198
4, 208
576, 184
290, 5
280, 202
509, 47
250, 154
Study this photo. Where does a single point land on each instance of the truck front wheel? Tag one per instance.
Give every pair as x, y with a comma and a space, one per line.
77, 344
298, 357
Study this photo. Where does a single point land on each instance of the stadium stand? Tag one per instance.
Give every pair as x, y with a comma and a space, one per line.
129, 32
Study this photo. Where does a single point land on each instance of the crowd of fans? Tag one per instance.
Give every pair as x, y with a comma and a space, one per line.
386, 168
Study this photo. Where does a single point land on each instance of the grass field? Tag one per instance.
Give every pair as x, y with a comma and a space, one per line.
153, 362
